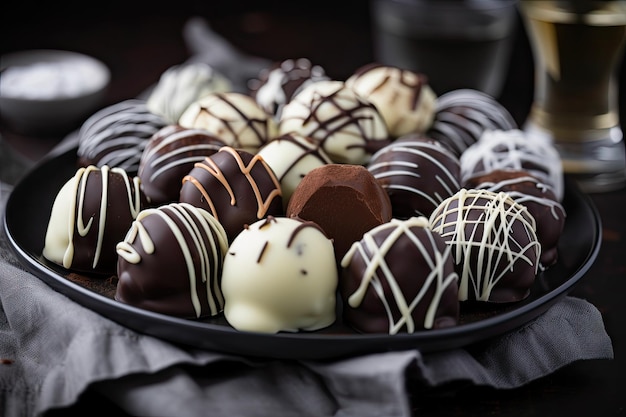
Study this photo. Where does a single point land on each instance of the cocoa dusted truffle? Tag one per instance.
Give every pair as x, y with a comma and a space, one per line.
234, 118
171, 260
168, 157
275, 86
347, 126
538, 198
399, 278
344, 200
494, 244
90, 214
418, 173
280, 275
235, 186
117, 135
461, 117
403, 97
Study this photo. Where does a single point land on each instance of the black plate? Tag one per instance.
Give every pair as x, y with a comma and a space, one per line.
26, 220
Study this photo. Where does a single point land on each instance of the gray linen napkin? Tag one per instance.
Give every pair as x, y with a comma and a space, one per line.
52, 349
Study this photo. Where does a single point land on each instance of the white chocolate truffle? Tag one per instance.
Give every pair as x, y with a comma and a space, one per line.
280, 275
514, 149
234, 118
291, 157
404, 98
181, 85
348, 127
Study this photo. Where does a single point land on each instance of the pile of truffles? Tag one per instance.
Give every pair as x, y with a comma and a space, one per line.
308, 197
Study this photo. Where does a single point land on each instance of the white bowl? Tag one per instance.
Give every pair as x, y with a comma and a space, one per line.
50, 91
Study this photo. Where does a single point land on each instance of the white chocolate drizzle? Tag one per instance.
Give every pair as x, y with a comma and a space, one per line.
514, 149
207, 243
117, 135
76, 218
378, 270
556, 208
170, 159
490, 237
409, 167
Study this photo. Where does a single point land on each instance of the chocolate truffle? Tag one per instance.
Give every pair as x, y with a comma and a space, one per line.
399, 278
403, 97
90, 214
347, 126
280, 275
180, 85
171, 260
235, 118
461, 117
494, 244
344, 200
418, 173
291, 157
169, 155
514, 149
275, 86
117, 135
538, 198
235, 186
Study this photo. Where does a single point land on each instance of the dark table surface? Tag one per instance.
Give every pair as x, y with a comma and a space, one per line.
139, 40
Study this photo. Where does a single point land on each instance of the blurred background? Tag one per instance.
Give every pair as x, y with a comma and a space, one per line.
139, 40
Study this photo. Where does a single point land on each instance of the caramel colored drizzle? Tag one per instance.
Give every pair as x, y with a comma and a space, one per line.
378, 270
201, 228
494, 245
209, 165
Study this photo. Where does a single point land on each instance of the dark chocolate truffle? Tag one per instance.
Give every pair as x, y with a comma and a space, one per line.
494, 244
418, 173
538, 198
275, 86
168, 157
91, 213
171, 262
117, 135
235, 186
461, 117
344, 200
399, 278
